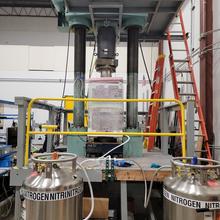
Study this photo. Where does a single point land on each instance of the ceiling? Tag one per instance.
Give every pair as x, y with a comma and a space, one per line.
159, 12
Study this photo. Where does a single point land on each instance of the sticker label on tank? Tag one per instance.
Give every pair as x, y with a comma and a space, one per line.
190, 203
52, 196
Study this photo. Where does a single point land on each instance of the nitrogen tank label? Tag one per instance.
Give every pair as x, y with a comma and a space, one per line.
190, 203
52, 196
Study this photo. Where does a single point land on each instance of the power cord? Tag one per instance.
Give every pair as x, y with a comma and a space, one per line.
151, 183
145, 65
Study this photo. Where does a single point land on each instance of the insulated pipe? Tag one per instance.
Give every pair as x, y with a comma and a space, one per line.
132, 76
79, 74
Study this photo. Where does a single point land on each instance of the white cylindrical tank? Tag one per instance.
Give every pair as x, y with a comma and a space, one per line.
53, 191
193, 190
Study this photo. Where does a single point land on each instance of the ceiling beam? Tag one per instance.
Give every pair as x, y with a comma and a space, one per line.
153, 17
26, 3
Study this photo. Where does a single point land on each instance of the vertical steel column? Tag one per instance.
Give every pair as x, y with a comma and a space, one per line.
132, 76
50, 142
22, 110
124, 200
164, 126
190, 130
79, 74
160, 47
65, 126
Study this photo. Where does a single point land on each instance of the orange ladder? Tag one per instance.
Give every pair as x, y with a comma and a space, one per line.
153, 112
183, 80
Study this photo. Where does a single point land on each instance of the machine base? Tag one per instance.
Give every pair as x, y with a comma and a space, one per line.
76, 144
101, 145
134, 148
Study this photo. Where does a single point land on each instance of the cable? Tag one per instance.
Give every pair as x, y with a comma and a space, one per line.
106, 154
6, 194
91, 192
145, 182
145, 65
152, 181
133, 161
58, 118
95, 160
66, 66
120, 145
137, 164
209, 32
194, 53
91, 64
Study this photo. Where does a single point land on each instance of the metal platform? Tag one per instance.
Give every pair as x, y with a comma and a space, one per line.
154, 15
158, 13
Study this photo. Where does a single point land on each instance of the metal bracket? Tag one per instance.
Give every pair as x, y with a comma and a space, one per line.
109, 170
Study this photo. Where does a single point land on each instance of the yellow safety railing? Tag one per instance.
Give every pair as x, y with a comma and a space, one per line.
51, 132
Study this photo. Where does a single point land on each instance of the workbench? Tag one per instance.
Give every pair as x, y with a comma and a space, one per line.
133, 173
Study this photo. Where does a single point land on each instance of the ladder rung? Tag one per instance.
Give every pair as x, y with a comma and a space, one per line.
200, 151
178, 50
187, 94
176, 32
177, 38
181, 61
182, 71
175, 23
199, 135
185, 82
197, 120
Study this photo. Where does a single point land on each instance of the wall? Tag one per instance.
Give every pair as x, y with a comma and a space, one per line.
33, 56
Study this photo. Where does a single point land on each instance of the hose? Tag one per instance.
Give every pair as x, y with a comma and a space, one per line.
152, 181
91, 192
120, 145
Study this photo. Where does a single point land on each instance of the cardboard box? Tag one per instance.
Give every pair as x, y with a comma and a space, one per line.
100, 209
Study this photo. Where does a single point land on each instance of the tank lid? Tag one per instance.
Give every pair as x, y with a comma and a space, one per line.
186, 162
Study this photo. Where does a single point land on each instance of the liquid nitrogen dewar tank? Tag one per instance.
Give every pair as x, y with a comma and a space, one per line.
53, 191
193, 190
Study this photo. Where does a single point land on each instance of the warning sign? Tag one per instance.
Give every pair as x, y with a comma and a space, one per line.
52, 196
190, 203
